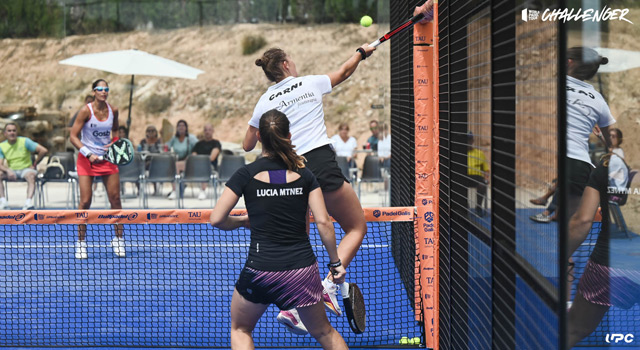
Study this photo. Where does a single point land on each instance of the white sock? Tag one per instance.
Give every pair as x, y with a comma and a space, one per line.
28, 202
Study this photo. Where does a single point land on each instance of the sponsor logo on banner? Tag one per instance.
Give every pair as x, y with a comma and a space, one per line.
377, 213
152, 216
423, 128
422, 81
169, 215
619, 337
194, 215
426, 201
132, 216
82, 215
38, 217
16, 217
428, 216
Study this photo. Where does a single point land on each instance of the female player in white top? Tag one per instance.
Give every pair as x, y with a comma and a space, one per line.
92, 133
300, 99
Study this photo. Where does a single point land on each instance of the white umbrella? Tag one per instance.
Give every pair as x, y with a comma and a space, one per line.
133, 62
619, 60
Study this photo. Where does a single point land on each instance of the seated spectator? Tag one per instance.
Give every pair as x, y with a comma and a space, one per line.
17, 151
123, 132
181, 144
344, 144
477, 173
372, 141
150, 144
210, 147
384, 147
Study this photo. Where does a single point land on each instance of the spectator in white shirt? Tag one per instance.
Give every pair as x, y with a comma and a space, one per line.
344, 144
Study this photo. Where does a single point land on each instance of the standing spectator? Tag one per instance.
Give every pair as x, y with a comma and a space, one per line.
344, 144
384, 147
210, 147
477, 173
17, 151
372, 141
181, 144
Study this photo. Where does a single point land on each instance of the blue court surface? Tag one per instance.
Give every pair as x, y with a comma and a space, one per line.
173, 289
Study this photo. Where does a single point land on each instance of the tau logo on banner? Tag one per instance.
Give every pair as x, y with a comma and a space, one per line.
83, 215
195, 214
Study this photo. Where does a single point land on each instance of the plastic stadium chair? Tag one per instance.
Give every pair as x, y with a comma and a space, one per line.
616, 213
161, 169
347, 171
227, 167
134, 173
371, 173
198, 169
68, 162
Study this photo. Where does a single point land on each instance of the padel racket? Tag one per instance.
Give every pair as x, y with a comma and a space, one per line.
119, 153
415, 19
353, 303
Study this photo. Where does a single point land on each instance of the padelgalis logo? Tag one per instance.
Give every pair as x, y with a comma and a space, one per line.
376, 213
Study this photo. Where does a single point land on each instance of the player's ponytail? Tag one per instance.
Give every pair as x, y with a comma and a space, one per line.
271, 63
276, 142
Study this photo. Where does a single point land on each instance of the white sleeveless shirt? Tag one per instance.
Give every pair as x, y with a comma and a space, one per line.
96, 134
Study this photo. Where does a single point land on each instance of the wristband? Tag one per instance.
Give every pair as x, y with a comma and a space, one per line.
84, 150
335, 264
362, 53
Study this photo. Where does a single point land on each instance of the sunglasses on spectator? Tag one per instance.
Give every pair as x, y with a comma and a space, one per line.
101, 89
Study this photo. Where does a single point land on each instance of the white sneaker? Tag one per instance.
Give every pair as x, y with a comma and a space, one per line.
202, 196
291, 320
81, 250
118, 247
28, 207
172, 195
4, 206
329, 296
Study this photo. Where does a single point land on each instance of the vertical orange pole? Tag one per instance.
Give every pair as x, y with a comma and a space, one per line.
425, 73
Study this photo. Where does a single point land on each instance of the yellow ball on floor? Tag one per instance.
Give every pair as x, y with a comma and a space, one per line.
404, 341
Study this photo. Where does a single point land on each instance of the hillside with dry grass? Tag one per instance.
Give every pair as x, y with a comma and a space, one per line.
224, 95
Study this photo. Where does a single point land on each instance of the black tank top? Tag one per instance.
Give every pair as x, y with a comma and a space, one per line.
277, 213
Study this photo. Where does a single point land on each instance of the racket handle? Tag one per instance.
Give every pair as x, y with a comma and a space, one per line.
344, 289
101, 158
375, 43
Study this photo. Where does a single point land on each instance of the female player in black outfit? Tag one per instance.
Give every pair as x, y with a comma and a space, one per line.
281, 267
